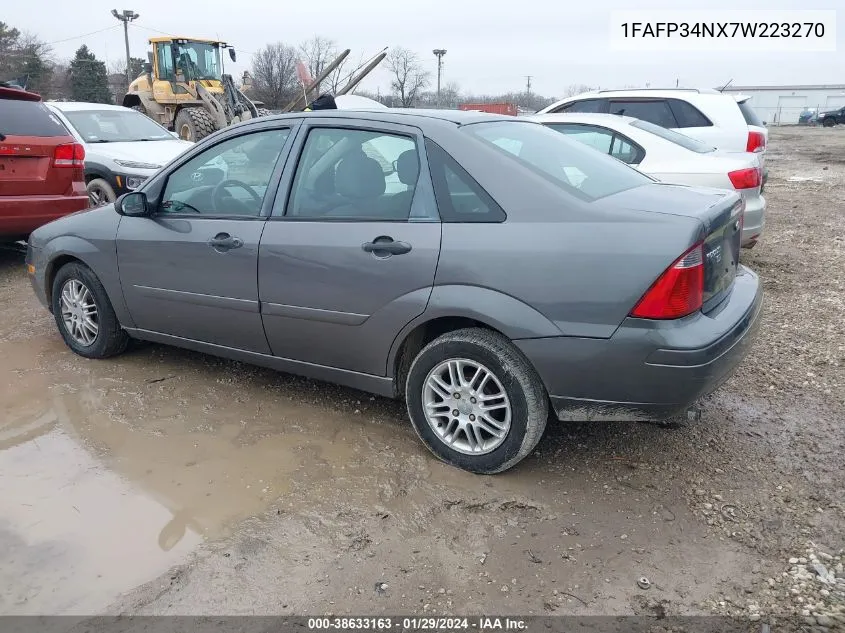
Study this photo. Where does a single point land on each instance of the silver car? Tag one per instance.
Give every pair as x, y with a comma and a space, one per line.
486, 269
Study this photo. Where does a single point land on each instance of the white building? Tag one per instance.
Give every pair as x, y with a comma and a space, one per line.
781, 105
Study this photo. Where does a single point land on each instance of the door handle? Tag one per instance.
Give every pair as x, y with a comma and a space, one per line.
385, 246
223, 242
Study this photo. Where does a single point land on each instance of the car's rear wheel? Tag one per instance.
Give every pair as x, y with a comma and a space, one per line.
475, 401
100, 193
84, 314
828, 122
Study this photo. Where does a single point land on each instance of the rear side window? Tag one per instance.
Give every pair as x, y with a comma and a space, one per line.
749, 114
688, 115
586, 105
459, 197
29, 118
654, 111
575, 168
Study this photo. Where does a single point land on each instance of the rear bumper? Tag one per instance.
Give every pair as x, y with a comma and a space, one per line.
649, 369
21, 215
754, 219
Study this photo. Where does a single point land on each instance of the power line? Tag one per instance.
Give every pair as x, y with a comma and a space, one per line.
76, 37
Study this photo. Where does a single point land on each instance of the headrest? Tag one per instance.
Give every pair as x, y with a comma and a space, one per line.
408, 167
359, 176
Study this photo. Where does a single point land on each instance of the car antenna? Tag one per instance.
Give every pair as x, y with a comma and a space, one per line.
722, 89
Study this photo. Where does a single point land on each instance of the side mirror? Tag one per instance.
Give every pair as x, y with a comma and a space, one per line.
132, 204
232, 55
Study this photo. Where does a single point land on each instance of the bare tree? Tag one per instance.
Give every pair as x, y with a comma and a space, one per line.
575, 89
316, 54
274, 74
409, 77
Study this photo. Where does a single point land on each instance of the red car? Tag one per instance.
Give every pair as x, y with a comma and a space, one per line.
41, 166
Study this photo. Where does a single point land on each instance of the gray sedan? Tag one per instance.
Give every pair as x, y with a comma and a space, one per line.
485, 269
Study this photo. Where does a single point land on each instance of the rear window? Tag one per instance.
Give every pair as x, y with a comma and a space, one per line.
576, 168
749, 114
655, 111
29, 118
586, 105
677, 138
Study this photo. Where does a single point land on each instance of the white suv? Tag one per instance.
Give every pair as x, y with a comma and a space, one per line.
724, 121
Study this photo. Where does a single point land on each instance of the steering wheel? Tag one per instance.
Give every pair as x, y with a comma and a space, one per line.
219, 193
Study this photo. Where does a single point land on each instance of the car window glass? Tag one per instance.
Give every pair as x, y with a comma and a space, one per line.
29, 118
459, 196
116, 126
230, 178
577, 169
687, 142
585, 105
657, 112
624, 150
355, 175
688, 115
586, 134
749, 114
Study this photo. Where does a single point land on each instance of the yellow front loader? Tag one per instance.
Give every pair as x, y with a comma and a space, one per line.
184, 88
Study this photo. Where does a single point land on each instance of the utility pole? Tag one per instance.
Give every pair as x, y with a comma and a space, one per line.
126, 16
528, 84
439, 53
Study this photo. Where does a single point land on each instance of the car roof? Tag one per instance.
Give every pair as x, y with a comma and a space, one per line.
650, 92
18, 94
407, 116
73, 106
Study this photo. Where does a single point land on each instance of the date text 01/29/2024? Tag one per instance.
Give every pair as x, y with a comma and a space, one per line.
442, 624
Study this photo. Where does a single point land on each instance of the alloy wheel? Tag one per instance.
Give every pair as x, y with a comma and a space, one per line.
79, 312
467, 406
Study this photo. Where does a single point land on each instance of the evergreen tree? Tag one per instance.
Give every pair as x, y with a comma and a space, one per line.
88, 78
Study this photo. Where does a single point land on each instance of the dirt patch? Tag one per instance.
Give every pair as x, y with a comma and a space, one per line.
314, 499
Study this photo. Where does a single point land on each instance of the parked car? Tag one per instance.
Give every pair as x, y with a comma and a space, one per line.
725, 121
513, 272
808, 116
41, 175
672, 157
832, 117
122, 146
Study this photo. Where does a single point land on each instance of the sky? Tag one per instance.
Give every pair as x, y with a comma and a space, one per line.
491, 44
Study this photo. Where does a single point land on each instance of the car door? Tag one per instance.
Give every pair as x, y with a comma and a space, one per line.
190, 270
349, 257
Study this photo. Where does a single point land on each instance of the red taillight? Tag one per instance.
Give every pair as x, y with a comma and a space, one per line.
69, 155
756, 142
677, 292
745, 178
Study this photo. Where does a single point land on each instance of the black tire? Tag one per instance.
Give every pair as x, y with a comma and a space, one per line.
522, 385
828, 122
111, 339
100, 193
193, 124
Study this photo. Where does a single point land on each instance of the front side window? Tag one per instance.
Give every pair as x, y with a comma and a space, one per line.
115, 126
585, 105
577, 169
229, 179
355, 175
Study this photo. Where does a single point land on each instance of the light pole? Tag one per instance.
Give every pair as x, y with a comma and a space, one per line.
126, 16
439, 52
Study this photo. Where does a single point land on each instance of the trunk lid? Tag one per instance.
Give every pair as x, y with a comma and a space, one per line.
720, 213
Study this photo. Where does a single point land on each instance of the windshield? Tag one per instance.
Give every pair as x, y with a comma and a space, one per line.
116, 126
198, 61
577, 168
677, 138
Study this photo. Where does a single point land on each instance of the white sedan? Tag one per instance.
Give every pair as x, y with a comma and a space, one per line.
671, 157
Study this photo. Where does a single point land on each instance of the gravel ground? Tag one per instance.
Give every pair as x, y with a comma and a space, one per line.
245, 491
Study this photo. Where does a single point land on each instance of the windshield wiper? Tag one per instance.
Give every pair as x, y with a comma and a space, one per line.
101, 140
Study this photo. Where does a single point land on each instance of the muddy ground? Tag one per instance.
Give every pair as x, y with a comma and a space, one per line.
165, 481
